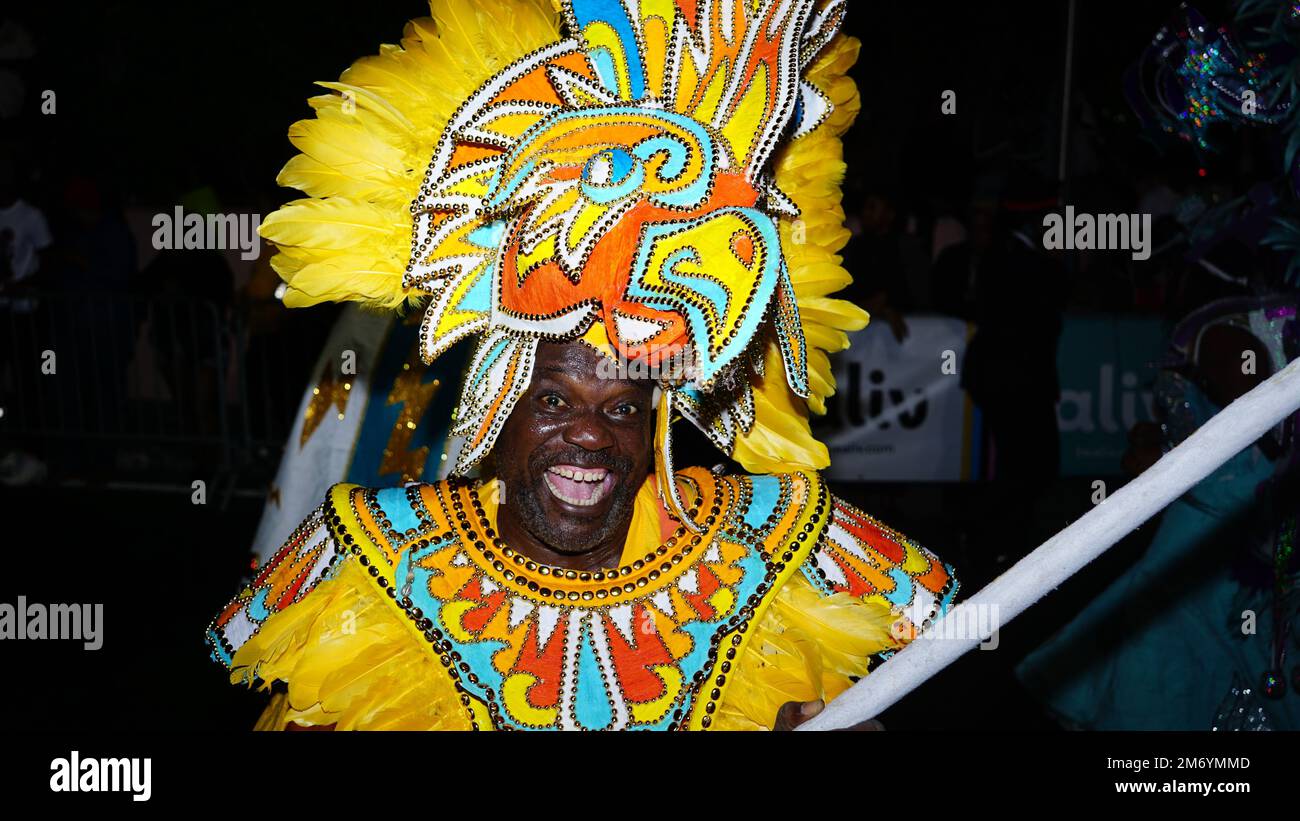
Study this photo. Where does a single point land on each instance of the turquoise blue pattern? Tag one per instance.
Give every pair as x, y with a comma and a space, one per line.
592, 702
586, 12
397, 507
256, 609
904, 588
766, 492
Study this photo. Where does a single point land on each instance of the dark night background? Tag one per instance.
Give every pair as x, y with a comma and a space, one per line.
156, 99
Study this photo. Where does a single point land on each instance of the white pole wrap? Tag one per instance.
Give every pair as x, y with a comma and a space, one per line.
1233, 430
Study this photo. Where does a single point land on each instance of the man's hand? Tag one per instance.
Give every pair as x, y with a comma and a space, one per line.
794, 713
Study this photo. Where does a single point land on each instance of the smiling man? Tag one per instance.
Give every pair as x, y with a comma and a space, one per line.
573, 458
602, 201
560, 592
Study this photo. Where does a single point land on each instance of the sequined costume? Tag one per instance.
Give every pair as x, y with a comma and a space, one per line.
401, 609
1169, 645
660, 180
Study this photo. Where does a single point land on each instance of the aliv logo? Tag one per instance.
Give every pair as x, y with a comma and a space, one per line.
875, 404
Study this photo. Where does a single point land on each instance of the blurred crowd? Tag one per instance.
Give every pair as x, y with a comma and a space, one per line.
123, 359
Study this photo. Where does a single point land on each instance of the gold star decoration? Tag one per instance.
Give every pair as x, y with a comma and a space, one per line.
415, 396
332, 390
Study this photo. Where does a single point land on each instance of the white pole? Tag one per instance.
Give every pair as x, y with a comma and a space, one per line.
1233, 430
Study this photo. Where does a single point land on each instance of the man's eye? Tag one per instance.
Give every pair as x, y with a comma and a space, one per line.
552, 400
626, 409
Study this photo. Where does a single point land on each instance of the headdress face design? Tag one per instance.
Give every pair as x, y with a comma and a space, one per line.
617, 186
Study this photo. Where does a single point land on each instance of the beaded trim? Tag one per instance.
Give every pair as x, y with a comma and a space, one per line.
866, 558
622, 175
648, 645
583, 609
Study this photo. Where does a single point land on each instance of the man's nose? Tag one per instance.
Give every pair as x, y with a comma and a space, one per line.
589, 432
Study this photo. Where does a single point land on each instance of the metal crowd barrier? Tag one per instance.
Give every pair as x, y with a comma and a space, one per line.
152, 391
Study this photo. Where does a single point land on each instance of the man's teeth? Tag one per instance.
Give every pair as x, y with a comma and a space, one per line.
582, 488
579, 475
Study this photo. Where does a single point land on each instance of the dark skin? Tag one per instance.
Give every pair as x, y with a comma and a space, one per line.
571, 416
1220, 374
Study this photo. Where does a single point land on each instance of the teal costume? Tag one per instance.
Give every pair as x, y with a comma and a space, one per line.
1169, 646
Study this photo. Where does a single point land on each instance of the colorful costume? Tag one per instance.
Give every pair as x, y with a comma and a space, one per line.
618, 183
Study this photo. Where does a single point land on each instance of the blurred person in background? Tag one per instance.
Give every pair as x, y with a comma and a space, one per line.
1196, 635
875, 258
1003, 281
24, 241
91, 267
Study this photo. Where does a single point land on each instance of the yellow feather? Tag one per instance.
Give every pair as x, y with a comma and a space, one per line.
810, 171
361, 166
313, 177
347, 146
780, 439
349, 661
835, 313
334, 224
806, 646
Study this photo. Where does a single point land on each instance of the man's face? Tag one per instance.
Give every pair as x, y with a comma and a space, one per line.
575, 450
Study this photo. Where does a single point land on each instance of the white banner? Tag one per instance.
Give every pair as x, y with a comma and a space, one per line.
899, 413
313, 463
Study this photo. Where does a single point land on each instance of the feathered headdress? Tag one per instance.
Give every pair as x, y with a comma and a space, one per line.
659, 178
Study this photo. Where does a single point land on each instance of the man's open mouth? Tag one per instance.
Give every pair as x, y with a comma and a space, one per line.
579, 486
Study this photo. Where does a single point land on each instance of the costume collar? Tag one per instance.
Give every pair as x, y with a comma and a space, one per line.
647, 645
